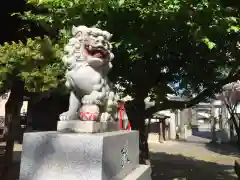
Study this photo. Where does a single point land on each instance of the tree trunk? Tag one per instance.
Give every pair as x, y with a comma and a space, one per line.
12, 119
136, 114
161, 135
213, 123
213, 129
182, 123
235, 121
231, 129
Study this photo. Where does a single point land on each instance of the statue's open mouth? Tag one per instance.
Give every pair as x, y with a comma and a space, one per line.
97, 52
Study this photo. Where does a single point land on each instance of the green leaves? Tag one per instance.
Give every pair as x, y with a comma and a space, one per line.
121, 2
37, 62
234, 29
149, 36
209, 43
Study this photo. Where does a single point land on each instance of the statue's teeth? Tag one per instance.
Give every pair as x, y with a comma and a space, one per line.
90, 47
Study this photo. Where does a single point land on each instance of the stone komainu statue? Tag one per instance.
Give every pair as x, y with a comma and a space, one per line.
88, 58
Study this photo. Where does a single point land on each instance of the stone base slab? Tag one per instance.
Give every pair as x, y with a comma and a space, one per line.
77, 126
80, 156
143, 172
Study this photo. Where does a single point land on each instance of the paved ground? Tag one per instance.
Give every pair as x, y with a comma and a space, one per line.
193, 160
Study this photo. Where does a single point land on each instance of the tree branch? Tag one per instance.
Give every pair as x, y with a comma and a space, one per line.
213, 88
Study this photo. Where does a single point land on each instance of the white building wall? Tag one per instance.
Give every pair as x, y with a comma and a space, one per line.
172, 122
154, 137
3, 101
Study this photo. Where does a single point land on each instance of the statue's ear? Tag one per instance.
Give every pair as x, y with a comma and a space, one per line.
74, 30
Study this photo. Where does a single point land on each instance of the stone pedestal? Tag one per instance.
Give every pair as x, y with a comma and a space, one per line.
142, 172
87, 126
82, 156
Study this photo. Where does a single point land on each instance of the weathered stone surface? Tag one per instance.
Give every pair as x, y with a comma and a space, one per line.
78, 126
143, 172
72, 156
88, 56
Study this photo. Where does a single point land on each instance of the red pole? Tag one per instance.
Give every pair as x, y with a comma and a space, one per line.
120, 116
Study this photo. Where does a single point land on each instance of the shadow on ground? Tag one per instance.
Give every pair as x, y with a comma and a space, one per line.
173, 167
225, 149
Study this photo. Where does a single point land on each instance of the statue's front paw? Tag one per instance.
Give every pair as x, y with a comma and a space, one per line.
105, 117
63, 117
93, 98
88, 99
66, 116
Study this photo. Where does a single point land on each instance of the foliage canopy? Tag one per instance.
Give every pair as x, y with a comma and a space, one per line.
157, 44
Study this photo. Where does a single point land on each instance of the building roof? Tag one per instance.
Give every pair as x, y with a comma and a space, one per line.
177, 98
160, 115
203, 115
